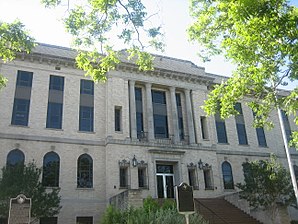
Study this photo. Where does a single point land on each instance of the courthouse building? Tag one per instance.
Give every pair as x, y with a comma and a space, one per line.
139, 132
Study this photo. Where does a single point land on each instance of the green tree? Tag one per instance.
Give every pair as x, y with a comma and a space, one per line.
260, 38
25, 179
266, 183
13, 39
93, 22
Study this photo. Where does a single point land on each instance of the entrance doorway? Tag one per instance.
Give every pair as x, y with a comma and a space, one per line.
165, 181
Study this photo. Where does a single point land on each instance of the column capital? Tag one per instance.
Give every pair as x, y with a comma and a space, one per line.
132, 82
148, 85
172, 88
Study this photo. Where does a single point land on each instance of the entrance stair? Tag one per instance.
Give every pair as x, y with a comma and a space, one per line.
220, 211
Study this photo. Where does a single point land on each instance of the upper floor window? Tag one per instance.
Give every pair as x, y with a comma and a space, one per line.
51, 167
24, 78
204, 128
15, 157
21, 105
20, 113
240, 125
85, 172
286, 125
87, 87
227, 175
54, 115
86, 119
158, 97
220, 129
56, 83
118, 115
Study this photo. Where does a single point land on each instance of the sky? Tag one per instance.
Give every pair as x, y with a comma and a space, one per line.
46, 27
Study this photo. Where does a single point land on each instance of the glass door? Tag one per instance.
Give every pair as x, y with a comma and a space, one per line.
165, 181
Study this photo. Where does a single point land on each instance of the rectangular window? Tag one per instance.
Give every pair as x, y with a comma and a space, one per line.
180, 116
124, 177
86, 119
20, 113
160, 114
193, 180
142, 177
286, 125
204, 128
24, 78
48, 220
118, 118
56, 83
208, 179
240, 125
87, 87
261, 137
139, 113
55, 102
84, 220
220, 129
54, 116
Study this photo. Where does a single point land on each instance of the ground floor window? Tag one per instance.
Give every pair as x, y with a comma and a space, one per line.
208, 179
84, 220
142, 177
192, 177
124, 174
48, 220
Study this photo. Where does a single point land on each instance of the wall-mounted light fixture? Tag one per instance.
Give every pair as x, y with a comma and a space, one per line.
134, 161
203, 166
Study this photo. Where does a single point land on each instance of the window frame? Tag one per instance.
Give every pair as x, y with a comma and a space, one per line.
227, 173
53, 169
82, 180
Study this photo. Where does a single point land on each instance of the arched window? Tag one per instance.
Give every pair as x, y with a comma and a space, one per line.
85, 172
50, 172
227, 175
15, 157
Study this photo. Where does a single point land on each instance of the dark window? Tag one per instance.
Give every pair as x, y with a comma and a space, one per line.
160, 114
56, 83
164, 168
240, 125
48, 220
208, 179
118, 119
86, 118
15, 157
84, 220
87, 87
158, 97
51, 167
124, 177
142, 177
193, 180
204, 127
261, 137
160, 126
20, 112
139, 113
54, 116
286, 125
180, 116
24, 78
227, 175
85, 172
221, 129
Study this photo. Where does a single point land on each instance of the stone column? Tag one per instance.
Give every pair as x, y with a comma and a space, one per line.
132, 108
190, 126
149, 111
174, 115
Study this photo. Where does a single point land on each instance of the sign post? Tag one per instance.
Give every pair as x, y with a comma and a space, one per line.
184, 198
19, 210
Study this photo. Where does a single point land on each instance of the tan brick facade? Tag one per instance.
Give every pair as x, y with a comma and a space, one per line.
108, 147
